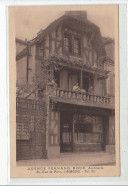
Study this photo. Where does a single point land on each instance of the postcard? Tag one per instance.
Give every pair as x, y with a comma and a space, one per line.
64, 91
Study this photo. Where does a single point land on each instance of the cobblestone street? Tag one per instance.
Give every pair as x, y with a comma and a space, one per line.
73, 159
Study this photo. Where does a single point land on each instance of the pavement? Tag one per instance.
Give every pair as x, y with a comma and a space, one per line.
73, 159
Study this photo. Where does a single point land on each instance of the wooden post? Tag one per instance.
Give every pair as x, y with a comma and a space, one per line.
72, 134
81, 79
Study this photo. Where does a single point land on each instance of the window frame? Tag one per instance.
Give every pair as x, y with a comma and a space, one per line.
78, 46
69, 46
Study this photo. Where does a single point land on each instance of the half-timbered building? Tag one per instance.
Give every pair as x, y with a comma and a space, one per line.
74, 66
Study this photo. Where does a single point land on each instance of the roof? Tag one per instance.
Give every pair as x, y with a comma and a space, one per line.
78, 17
23, 53
94, 30
107, 40
21, 41
110, 55
54, 24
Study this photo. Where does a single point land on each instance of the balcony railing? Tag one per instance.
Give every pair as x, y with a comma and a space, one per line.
79, 97
82, 96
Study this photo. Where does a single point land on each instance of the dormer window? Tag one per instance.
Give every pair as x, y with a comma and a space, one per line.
72, 42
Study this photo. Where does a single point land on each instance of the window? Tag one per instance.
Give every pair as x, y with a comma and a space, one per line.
76, 46
72, 42
83, 127
84, 134
67, 43
66, 136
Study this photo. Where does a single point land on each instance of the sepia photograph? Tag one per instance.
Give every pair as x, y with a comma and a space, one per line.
64, 93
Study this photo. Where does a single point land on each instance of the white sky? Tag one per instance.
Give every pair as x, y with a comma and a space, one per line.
29, 20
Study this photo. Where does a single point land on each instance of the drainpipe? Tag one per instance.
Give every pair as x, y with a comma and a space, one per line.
27, 60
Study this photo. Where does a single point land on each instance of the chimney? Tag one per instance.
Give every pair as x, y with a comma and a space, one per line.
80, 14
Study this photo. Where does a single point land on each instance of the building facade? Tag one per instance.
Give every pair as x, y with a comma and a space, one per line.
72, 66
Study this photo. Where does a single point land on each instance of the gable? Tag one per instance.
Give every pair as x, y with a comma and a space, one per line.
91, 30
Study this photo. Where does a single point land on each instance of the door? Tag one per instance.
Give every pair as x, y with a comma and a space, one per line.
86, 83
66, 137
73, 79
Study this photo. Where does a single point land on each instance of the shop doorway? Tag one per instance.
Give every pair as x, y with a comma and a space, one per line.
66, 133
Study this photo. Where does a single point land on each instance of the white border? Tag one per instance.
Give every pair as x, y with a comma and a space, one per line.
4, 99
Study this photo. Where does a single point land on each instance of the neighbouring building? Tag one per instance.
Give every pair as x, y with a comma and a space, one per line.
72, 109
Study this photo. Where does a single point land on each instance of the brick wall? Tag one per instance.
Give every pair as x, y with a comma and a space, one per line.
31, 129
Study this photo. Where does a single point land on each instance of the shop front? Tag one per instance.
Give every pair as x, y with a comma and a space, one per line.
76, 128
81, 132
